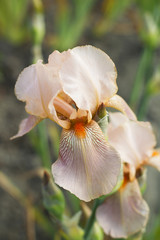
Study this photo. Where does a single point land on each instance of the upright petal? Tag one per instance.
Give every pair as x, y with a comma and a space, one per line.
26, 126
123, 213
118, 103
38, 85
133, 140
87, 165
57, 58
88, 76
27, 89
117, 119
50, 86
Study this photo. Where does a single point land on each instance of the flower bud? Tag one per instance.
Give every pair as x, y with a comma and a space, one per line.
97, 232
151, 33
73, 231
53, 198
153, 87
102, 119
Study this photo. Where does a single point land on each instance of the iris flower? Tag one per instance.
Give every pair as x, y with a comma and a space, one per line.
69, 90
125, 212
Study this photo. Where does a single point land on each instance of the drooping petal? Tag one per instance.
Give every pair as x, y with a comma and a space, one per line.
118, 103
154, 160
87, 165
133, 140
123, 213
88, 76
26, 126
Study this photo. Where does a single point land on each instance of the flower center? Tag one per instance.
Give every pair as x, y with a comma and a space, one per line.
80, 129
125, 181
63, 107
66, 110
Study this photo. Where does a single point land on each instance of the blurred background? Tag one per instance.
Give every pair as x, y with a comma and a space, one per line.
129, 32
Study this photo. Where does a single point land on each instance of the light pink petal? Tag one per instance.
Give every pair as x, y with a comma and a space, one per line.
50, 86
123, 213
133, 140
56, 59
118, 103
116, 119
87, 165
38, 85
27, 89
26, 125
88, 76
121, 139
154, 161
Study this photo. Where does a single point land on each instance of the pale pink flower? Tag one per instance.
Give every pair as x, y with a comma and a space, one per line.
68, 90
125, 212
135, 142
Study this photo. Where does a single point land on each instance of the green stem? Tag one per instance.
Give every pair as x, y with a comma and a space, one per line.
143, 106
91, 219
43, 145
38, 31
143, 70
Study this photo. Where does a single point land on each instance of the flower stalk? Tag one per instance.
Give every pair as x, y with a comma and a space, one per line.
142, 72
38, 32
91, 219
43, 146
